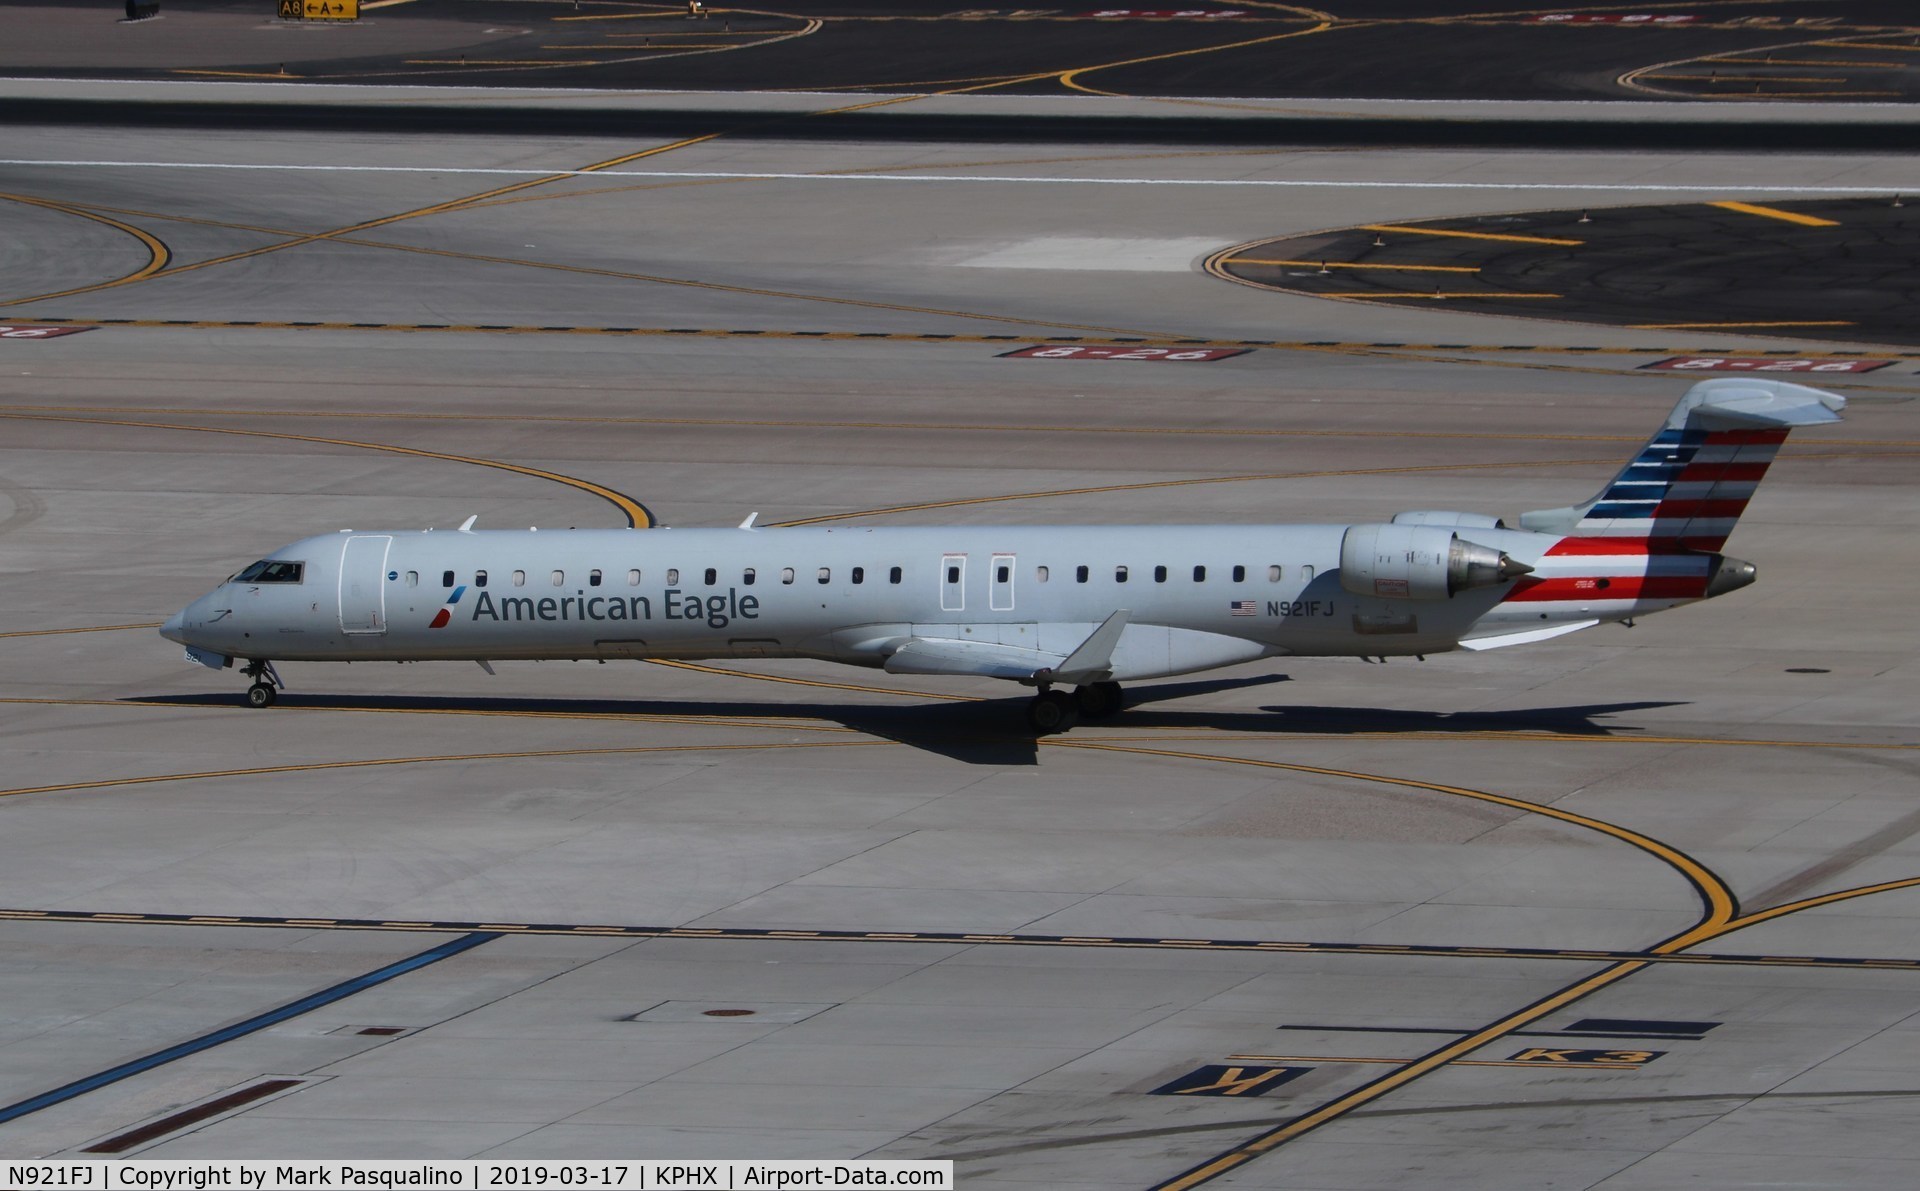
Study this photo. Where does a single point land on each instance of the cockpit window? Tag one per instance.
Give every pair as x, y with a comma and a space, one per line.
272, 570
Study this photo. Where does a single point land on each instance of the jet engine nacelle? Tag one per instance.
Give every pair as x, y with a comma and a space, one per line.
1419, 562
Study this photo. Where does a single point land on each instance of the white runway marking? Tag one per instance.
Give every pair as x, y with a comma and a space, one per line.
1910, 185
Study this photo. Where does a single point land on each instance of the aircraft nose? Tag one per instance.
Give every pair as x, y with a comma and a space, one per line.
175, 628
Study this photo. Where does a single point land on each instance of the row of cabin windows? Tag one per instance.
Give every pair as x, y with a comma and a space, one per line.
1083, 573
1002, 573
597, 578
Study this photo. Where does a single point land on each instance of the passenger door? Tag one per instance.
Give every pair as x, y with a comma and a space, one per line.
363, 584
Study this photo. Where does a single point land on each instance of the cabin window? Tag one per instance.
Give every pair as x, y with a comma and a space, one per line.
746, 577
859, 574
1119, 574
633, 577
713, 576
1002, 573
479, 578
269, 570
786, 574
1159, 574
1306, 574
673, 576
413, 578
446, 578
953, 573
519, 578
1273, 573
593, 577
1199, 574
1040, 573
826, 574
1080, 573
893, 575
1239, 574
559, 577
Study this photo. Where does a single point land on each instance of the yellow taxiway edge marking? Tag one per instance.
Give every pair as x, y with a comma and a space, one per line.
99, 628
1734, 326
1436, 295
1276, 1137
1716, 896
770, 719
376, 762
1435, 231
622, 16
158, 254
638, 516
1811, 62
1048, 494
810, 682
767, 720
415, 213
1248, 260
1866, 45
1456, 1062
1070, 78
495, 62
1776, 213
1737, 78
1808, 903
234, 74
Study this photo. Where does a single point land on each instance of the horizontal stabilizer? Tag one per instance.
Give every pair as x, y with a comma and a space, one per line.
1528, 637
1747, 402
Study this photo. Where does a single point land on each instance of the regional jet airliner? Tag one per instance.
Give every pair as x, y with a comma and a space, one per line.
1072, 611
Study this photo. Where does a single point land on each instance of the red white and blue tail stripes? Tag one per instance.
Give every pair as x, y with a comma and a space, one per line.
1685, 490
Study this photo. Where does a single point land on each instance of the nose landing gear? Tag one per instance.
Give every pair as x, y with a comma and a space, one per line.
266, 686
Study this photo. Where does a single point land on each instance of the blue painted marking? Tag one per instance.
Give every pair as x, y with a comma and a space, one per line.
272, 1017
457, 593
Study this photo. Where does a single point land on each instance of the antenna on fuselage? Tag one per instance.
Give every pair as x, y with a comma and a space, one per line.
748, 523
467, 525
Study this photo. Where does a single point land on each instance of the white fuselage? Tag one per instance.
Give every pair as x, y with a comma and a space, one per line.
1197, 597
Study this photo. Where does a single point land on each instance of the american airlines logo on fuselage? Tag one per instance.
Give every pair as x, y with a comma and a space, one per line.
717, 610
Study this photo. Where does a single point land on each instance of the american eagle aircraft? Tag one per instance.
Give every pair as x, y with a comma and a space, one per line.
1083, 607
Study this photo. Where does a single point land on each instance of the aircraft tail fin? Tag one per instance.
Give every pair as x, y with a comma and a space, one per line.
1688, 486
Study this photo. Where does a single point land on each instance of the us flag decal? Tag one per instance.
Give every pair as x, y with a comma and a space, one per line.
1244, 607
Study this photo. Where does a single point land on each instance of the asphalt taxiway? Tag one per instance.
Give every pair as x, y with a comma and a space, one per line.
1629, 909
1811, 51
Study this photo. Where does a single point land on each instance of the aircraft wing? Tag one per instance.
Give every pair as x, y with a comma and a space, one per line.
1090, 661
983, 659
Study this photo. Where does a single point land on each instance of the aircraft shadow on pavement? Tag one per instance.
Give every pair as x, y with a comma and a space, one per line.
992, 731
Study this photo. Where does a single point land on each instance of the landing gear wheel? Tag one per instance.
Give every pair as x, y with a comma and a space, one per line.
261, 694
1052, 712
1099, 700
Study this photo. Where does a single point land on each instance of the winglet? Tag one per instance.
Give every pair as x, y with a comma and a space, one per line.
467, 525
748, 523
1092, 661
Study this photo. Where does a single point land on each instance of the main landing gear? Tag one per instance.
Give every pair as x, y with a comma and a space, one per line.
1053, 712
266, 682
